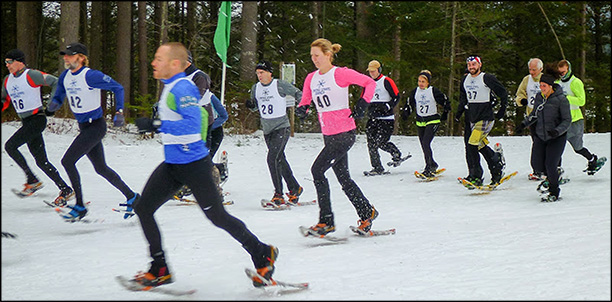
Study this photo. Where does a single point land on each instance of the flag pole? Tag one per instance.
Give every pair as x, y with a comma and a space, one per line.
223, 85
222, 39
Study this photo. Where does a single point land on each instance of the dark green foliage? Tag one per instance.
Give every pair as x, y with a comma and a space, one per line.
505, 34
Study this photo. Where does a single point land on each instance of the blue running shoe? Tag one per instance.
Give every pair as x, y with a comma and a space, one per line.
76, 214
129, 211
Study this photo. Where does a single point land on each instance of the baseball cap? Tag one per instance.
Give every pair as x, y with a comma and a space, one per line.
373, 65
264, 65
16, 55
73, 49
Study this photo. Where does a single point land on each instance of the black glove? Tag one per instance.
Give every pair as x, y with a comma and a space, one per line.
524, 102
360, 108
49, 113
301, 112
519, 128
251, 104
379, 108
146, 124
553, 133
406, 112
375, 109
444, 116
458, 115
118, 120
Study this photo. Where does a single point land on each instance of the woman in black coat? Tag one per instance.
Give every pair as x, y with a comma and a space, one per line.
549, 121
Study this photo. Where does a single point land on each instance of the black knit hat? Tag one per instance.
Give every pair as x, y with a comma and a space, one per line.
264, 65
16, 54
548, 79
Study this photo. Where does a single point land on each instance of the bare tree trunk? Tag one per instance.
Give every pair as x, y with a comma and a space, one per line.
69, 26
8, 23
190, 21
397, 57
248, 52
261, 33
316, 26
583, 21
163, 24
124, 51
28, 28
83, 27
163, 34
362, 32
451, 77
143, 60
68, 33
95, 46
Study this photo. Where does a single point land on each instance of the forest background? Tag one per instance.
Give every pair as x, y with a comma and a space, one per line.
405, 36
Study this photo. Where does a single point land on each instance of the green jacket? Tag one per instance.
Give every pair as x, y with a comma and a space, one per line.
575, 95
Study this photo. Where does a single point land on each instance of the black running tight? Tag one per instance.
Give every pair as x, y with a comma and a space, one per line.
378, 134
335, 155
546, 156
30, 133
277, 162
426, 136
163, 184
89, 142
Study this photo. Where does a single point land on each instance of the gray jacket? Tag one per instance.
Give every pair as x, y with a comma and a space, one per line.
549, 114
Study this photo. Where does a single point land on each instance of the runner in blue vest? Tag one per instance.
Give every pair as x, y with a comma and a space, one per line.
183, 127
81, 87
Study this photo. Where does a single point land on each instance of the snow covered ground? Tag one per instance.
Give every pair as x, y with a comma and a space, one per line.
450, 244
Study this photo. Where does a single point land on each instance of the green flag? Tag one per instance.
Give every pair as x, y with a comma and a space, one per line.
222, 33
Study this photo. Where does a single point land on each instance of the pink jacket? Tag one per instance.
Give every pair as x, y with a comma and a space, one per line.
339, 121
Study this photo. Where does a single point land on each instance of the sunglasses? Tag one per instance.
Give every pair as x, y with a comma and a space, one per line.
9, 61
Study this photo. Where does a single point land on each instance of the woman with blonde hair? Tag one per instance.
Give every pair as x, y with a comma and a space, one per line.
327, 87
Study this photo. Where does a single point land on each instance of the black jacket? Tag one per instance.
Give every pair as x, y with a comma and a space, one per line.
483, 111
550, 114
440, 98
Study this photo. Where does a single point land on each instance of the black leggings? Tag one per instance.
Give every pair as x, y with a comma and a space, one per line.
214, 140
197, 175
472, 156
335, 155
545, 156
30, 133
89, 142
378, 134
426, 136
277, 162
